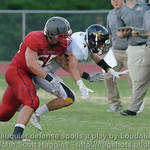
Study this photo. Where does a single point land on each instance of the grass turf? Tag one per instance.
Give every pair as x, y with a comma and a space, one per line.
84, 125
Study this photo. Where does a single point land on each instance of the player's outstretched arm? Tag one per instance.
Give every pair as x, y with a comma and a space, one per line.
75, 73
101, 63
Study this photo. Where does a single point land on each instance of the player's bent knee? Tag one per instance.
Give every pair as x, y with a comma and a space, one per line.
33, 104
70, 100
4, 116
7, 112
71, 96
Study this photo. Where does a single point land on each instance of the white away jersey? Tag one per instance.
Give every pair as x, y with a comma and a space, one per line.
78, 46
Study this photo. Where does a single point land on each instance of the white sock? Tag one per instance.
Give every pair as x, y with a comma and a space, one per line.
20, 125
42, 109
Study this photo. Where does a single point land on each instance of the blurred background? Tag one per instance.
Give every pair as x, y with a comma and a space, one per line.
19, 17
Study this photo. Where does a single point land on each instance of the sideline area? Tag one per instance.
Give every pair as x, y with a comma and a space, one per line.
60, 72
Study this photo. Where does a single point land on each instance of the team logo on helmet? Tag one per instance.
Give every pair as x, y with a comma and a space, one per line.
96, 36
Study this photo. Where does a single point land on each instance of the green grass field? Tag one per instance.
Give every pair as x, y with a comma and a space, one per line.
84, 125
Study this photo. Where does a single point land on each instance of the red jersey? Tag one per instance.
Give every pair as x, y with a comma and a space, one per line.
37, 42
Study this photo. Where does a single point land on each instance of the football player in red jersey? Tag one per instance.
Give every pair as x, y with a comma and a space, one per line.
37, 50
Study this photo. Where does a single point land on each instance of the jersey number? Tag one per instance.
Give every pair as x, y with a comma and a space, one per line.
44, 60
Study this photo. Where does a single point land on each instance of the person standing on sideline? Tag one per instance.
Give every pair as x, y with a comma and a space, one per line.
136, 103
131, 15
119, 47
36, 50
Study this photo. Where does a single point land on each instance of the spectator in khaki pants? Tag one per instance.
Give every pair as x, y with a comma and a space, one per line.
136, 103
119, 47
131, 15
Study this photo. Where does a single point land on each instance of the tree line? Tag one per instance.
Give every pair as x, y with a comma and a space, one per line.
55, 4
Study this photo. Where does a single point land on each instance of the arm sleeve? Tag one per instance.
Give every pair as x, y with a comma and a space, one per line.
103, 64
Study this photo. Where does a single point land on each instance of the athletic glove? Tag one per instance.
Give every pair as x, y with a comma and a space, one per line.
123, 72
54, 84
95, 77
84, 91
116, 74
113, 73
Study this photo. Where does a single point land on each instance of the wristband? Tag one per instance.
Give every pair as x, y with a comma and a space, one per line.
85, 75
48, 78
103, 64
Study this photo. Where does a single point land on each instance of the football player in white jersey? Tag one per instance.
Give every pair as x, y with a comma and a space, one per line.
92, 42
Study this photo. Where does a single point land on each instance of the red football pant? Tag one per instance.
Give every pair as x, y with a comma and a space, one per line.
20, 90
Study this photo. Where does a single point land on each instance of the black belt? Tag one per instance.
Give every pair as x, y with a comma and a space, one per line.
139, 44
122, 49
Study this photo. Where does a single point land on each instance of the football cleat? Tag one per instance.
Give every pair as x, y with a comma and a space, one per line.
114, 108
127, 113
35, 121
